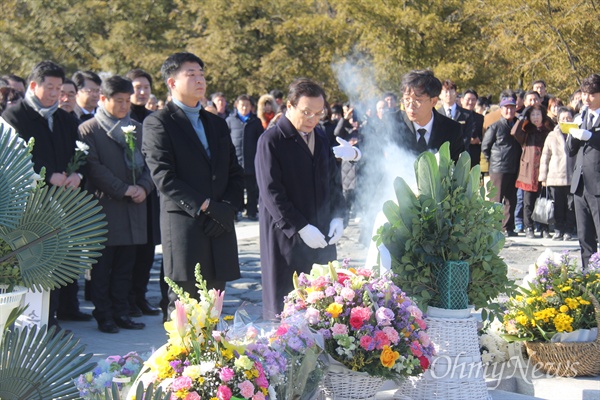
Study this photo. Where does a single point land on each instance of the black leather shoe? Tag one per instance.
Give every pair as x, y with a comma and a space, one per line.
147, 309
134, 311
128, 323
76, 316
108, 327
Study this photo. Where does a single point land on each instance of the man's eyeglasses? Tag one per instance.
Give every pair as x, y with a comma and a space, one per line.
308, 115
414, 104
88, 90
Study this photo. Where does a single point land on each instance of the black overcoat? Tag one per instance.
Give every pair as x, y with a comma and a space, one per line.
296, 189
185, 176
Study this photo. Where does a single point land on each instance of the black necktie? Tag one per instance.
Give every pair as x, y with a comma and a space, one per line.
590, 121
422, 143
449, 113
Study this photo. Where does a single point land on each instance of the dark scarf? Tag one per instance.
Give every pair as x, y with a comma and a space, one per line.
113, 128
138, 112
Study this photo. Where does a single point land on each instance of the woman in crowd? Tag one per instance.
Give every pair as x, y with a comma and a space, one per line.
266, 109
556, 171
554, 103
531, 132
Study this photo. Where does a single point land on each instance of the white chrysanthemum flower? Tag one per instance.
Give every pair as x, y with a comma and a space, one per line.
128, 129
81, 146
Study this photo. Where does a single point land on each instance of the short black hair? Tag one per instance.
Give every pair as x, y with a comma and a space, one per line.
138, 73
243, 97
174, 62
80, 77
520, 93
390, 94
532, 92
16, 78
484, 101
68, 81
591, 84
563, 109
116, 84
421, 82
45, 69
276, 93
543, 82
471, 91
217, 94
304, 87
449, 84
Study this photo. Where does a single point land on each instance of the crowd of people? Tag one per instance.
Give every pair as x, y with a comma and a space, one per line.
175, 172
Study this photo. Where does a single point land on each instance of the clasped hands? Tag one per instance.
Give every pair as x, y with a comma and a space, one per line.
313, 238
137, 193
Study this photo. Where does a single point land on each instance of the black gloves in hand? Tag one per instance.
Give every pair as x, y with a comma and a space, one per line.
222, 213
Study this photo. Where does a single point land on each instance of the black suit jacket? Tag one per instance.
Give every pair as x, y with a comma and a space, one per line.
443, 130
587, 171
53, 149
185, 176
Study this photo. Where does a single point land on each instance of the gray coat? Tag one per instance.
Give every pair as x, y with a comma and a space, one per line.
108, 177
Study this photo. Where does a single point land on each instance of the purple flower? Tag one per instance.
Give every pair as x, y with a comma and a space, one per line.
384, 316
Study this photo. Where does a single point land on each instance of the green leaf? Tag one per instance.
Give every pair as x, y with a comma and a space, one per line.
461, 171
428, 177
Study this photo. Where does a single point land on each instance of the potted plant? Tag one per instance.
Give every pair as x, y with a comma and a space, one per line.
448, 219
556, 314
372, 331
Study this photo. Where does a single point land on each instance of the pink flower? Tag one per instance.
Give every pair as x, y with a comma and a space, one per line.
180, 318
312, 315
366, 342
258, 396
261, 381
356, 322
182, 382
391, 334
217, 307
319, 282
223, 393
282, 330
364, 272
342, 277
415, 311
424, 338
192, 396
421, 323
384, 316
415, 348
347, 293
358, 316
226, 374
381, 340
339, 329
315, 296
246, 389
217, 335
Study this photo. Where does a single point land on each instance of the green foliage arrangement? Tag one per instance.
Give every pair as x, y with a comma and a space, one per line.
449, 219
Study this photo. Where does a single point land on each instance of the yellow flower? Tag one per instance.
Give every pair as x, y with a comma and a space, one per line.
244, 362
571, 303
519, 298
388, 357
530, 300
564, 309
521, 319
563, 322
565, 289
335, 309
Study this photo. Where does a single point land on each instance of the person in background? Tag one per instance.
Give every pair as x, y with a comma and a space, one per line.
584, 142
16, 82
245, 130
68, 94
220, 102
575, 101
152, 103
278, 96
531, 98
503, 152
391, 102
556, 172
540, 87
554, 103
531, 132
266, 109
483, 105
520, 100
161, 104
88, 94
9, 97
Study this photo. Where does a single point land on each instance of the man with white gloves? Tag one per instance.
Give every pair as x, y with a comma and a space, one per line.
584, 142
301, 201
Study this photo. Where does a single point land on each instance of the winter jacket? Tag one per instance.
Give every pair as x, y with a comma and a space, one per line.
500, 148
244, 136
532, 140
555, 163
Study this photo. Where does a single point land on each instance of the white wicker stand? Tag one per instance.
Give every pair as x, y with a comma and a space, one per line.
456, 371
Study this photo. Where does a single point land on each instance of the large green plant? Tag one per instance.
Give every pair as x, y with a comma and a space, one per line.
448, 219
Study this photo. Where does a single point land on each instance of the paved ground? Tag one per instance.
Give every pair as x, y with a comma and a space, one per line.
519, 253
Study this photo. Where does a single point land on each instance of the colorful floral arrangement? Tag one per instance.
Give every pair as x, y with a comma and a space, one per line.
198, 362
93, 385
368, 324
555, 301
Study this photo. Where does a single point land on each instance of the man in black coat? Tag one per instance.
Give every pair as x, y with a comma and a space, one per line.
55, 132
420, 127
585, 186
245, 129
88, 94
200, 183
301, 200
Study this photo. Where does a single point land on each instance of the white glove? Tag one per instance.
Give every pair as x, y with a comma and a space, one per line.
312, 236
581, 134
346, 151
336, 229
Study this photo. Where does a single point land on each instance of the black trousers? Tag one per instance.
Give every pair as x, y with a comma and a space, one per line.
563, 215
144, 258
528, 206
251, 195
111, 282
587, 214
506, 194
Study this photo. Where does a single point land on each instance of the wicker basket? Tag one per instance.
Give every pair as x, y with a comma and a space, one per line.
350, 385
568, 359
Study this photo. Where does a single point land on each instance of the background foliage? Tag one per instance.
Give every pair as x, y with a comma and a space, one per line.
254, 46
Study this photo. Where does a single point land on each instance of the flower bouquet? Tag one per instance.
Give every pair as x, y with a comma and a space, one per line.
560, 299
96, 384
368, 324
198, 362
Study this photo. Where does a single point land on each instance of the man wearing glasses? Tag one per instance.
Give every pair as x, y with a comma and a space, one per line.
301, 202
88, 94
427, 129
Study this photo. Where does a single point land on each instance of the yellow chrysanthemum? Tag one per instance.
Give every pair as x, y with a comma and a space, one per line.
565, 289
563, 322
571, 303
564, 308
519, 298
530, 300
335, 309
